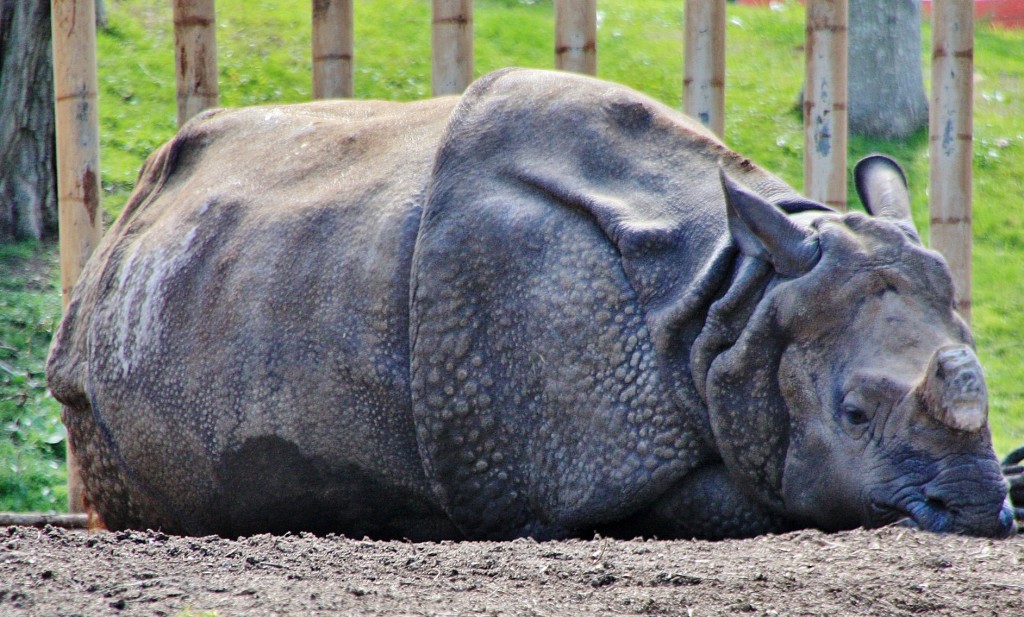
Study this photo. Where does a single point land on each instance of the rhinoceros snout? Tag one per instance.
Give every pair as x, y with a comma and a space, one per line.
987, 512
964, 494
935, 515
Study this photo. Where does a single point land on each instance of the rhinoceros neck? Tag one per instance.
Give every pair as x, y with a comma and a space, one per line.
734, 365
700, 322
727, 317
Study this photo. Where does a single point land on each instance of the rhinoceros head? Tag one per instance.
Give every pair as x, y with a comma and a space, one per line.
853, 395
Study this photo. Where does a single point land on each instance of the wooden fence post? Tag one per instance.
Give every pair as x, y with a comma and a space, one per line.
704, 59
950, 131
195, 56
333, 49
825, 102
451, 46
78, 157
576, 36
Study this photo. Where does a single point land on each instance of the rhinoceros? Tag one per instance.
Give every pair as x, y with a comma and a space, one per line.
548, 307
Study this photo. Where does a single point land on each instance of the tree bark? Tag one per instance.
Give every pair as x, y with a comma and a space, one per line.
28, 189
101, 14
886, 95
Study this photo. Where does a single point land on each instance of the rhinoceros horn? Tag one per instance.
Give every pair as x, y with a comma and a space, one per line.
764, 231
882, 187
953, 390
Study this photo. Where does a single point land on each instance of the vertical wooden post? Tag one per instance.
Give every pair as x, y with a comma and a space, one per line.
195, 56
825, 102
704, 59
333, 49
576, 36
451, 45
950, 130
78, 157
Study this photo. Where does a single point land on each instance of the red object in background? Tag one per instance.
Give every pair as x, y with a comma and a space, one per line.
1005, 13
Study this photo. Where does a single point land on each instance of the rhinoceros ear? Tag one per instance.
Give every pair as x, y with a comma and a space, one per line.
763, 231
882, 187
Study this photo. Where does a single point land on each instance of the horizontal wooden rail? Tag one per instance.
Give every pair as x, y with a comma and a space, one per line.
35, 519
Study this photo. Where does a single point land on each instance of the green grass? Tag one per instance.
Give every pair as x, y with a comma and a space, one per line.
32, 474
263, 55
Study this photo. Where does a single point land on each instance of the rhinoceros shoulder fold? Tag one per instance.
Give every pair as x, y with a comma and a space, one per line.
557, 202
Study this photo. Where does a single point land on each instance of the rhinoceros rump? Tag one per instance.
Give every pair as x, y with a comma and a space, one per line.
548, 307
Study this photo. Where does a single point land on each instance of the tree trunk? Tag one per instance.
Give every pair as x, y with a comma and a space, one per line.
28, 189
886, 93
101, 14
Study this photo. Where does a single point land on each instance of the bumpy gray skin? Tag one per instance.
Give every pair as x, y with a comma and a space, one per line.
527, 311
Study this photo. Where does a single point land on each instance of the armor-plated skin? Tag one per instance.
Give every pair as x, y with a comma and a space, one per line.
549, 306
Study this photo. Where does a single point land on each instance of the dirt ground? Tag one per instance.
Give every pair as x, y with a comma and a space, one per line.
892, 571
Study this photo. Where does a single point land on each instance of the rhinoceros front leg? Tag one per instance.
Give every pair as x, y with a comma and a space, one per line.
706, 504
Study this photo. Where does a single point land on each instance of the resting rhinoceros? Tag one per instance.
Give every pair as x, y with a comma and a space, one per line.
547, 307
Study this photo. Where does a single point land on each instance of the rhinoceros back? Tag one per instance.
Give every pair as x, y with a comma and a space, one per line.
241, 335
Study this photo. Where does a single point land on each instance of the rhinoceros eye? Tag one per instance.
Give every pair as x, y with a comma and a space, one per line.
854, 415
866, 395
855, 412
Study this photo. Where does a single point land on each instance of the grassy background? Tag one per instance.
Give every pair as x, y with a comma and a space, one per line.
263, 55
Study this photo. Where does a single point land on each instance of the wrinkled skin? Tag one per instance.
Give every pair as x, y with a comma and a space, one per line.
549, 307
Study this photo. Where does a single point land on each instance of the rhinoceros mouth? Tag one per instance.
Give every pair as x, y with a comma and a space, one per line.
927, 514
918, 513
883, 514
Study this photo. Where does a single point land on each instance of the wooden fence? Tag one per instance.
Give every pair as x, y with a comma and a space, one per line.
575, 49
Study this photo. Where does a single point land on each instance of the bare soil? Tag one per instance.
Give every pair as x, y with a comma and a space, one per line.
892, 571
